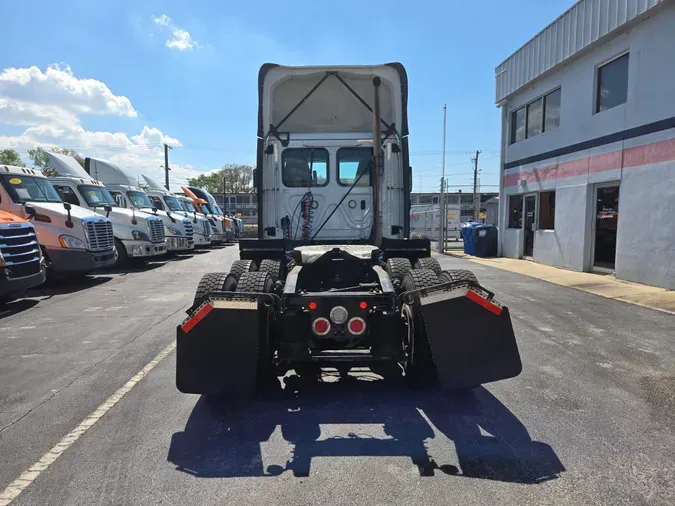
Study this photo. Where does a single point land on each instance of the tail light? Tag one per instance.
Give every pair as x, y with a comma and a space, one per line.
356, 326
321, 326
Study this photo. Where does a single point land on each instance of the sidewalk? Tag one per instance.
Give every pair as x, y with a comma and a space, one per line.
605, 285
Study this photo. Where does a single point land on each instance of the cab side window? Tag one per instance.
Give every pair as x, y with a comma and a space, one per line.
67, 194
157, 202
119, 198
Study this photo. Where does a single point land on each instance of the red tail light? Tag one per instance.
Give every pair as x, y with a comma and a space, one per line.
321, 326
356, 326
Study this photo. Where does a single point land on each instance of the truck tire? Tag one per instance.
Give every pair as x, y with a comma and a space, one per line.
420, 370
428, 263
271, 267
121, 253
397, 268
239, 267
261, 282
213, 282
457, 275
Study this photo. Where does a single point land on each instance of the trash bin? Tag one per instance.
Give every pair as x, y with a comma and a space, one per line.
485, 240
468, 237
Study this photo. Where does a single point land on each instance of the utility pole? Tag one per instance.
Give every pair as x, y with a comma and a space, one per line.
166, 165
442, 217
476, 199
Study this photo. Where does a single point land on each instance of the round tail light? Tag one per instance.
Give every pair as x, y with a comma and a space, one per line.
356, 326
321, 326
339, 315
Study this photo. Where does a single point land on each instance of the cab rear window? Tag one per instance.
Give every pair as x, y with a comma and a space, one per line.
304, 167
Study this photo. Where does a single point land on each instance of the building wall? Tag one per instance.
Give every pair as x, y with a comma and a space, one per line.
643, 164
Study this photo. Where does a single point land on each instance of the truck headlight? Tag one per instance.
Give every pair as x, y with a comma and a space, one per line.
139, 236
70, 242
173, 230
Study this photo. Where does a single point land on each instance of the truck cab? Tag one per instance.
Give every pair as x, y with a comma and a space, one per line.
22, 265
226, 222
218, 230
163, 199
132, 233
75, 241
177, 230
189, 206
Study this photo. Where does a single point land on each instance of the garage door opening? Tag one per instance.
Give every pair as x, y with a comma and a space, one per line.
606, 224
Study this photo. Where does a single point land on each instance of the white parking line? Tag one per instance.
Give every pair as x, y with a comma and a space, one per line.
28, 476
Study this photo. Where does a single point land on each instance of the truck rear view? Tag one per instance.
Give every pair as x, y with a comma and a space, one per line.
333, 279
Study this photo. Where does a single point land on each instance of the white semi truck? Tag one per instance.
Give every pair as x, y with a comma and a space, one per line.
124, 189
74, 240
189, 207
134, 236
163, 199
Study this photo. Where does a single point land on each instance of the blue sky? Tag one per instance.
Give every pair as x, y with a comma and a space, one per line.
134, 74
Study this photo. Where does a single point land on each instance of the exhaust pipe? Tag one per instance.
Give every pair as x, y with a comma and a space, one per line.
377, 150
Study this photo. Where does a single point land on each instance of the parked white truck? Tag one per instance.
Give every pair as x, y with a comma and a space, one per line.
133, 234
163, 199
188, 205
74, 241
124, 189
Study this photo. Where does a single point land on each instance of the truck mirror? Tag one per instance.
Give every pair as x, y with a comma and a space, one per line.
108, 210
31, 212
69, 221
66, 206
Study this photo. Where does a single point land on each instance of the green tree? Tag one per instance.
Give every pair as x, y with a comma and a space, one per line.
41, 161
10, 157
234, 178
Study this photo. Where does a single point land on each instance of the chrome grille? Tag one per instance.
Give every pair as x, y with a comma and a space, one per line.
20, 250
189, 231
100, 235
156, 227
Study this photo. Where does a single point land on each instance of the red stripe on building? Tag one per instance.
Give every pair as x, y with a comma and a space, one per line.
656, 152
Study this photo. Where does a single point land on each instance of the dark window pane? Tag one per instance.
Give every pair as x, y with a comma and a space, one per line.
613, 84
516, 211
534, 118
518, 125
547, 210
552, 110
304, 167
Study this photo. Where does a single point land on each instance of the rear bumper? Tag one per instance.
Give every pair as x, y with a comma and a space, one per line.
77, 260
141, 249
179, 244
16, 285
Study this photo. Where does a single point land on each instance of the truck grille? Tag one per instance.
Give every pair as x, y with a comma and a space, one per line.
156, 227
20, 249
100, 235
189, 231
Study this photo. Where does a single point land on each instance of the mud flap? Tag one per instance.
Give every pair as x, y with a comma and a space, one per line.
217, 349
471, 338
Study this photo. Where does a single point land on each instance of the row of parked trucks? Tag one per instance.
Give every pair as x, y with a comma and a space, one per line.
85, 219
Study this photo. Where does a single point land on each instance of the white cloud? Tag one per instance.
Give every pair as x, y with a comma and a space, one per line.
49, 106
60, 87
180, 39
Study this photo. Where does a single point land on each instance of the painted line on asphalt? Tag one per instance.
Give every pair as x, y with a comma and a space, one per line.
30, 475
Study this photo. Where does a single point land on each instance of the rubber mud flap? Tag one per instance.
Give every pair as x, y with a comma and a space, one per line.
472, 341
216, 354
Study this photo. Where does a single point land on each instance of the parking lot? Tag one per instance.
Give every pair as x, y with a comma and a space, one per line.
589, 421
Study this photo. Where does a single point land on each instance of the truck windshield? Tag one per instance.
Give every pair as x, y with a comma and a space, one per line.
29, 189
96, 196
139, 199
187, 205
206, 209
173, 204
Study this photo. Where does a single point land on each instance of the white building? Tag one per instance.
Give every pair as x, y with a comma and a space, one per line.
588, 142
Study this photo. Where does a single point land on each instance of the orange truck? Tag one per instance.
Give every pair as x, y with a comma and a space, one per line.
21, 263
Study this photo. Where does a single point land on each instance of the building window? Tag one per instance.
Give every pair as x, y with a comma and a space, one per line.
540, 115
516, 211
304, 167
552, 110
518, 125
612, 84
534, 117
547, 210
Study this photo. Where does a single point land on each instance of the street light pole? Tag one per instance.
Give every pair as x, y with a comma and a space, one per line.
442, 217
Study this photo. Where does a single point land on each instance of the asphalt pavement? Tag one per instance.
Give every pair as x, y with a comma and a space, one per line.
589, 421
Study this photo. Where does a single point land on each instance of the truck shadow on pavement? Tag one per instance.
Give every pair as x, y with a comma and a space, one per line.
225, 440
